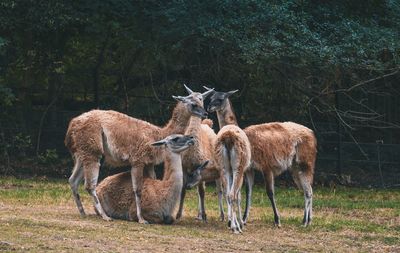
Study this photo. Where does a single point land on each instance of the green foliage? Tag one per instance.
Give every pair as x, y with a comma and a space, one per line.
6, 97
281, 54
50, 156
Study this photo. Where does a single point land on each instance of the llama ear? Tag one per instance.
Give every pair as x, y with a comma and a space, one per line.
188, 89
205, 87
208, 92
158, 143
229, 93
179, 98
203, 166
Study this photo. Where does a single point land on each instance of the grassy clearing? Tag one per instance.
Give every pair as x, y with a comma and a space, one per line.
40, 215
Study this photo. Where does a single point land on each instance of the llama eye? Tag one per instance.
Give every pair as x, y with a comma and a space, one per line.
175, 139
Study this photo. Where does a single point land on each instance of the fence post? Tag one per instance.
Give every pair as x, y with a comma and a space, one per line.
339, 134
378, 148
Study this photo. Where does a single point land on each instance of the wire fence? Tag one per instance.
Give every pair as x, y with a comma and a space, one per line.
374, 164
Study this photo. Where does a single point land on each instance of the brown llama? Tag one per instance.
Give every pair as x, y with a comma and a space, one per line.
122, 141
193, 157
277, 147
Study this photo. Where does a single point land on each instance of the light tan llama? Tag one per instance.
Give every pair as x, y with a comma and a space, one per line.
122, 141
160, 198
277, 147
232, 153
193, 157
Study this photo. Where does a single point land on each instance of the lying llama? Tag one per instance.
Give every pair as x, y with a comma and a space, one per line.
277, 147
123, 141
159, 197
193, 157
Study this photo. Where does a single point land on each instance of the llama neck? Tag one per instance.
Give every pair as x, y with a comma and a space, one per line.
194, 126
178, 122
226, 116
173, 174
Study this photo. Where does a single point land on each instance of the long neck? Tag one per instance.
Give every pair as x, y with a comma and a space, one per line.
178, 122
173, 173
194, 126
226, 116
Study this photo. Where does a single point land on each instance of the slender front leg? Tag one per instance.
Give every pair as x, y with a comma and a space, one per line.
149, 171
269, 186
201, 194
137, 183
183, 194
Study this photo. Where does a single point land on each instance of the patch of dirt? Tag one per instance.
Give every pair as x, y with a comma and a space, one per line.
39, 228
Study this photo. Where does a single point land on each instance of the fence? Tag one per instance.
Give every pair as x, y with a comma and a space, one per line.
374, 164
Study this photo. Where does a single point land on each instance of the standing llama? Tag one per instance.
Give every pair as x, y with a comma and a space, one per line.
232, 153
159, 197
193, 157
122, 141
277, 147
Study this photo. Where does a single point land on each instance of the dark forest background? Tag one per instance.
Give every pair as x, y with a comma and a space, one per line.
330, 65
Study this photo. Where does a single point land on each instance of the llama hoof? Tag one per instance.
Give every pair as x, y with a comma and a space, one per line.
278, 225
222, 218
106, 218
143, 222
229, 223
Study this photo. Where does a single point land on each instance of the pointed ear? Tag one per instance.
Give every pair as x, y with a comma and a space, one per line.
229, 93
179, 98
207, 93
158, 143
203, 166
205, 87
188, 89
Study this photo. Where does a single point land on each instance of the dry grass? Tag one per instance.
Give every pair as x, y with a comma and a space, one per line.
40, 215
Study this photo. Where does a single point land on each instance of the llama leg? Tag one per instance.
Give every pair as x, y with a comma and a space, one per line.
303, 182
220, 199
137, 182
235, 224
239, 208
249, 191
74, 180
91, 171
269, 185
201, 194
183, 194
149, 171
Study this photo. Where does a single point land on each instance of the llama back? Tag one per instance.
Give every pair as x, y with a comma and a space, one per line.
232, 141
115, 195
276, 145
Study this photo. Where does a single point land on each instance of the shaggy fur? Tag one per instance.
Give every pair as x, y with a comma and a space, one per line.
232, 153
159, 197
192, 158
122, 141
277, 147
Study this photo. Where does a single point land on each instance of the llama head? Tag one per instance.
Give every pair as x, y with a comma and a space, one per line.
193, 105
176, 143
195, 177
218, 100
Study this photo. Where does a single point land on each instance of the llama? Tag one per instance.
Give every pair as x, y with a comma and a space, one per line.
159, 197
277, 147
232, 153
191, 158
122, 141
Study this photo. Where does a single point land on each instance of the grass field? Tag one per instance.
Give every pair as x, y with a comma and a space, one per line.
40, 215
